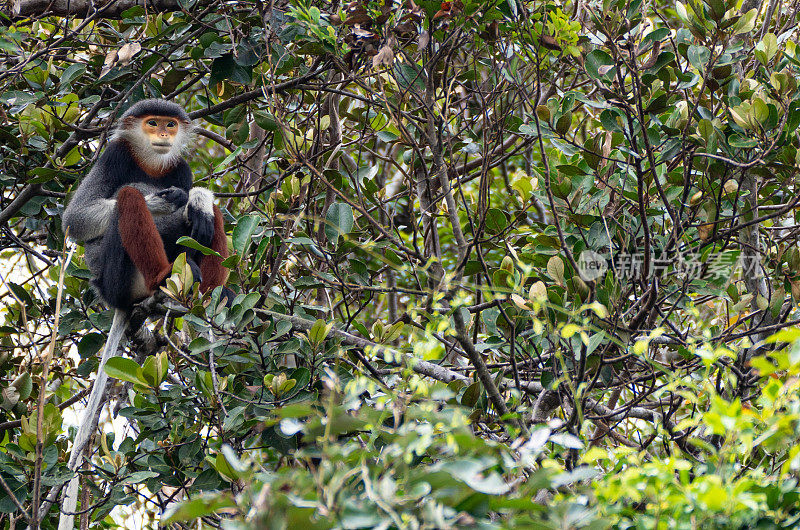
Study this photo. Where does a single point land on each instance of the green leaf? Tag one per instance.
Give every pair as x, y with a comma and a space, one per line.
21, 294
387, 136
125, 369
595, 61
769, 45
43, 173
655, 35
188, 242
339, 221
199, 345
73, 157
706, 129
226, 162
471, 395
784, 335
139, 476
162, 366
474, 474
231, 261
150, 372
243, 233
555, 269
698, 56
760, 110
302, 376
266, 121
393, 332
286, 386
172, 79
200, 506
234, 420
595, 341
225, 67
90, 344
318, 332
664, 58
24, 385
739, 141
496, 220
746, 23
409, 75
73, 71
297, 410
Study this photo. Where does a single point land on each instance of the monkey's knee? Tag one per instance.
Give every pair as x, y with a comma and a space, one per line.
131, 200
132, 211
213, 273
140, 237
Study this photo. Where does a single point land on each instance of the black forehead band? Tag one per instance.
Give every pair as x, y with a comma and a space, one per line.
156, 107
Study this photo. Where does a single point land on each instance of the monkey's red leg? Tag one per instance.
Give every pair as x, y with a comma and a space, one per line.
211, 269
140, 237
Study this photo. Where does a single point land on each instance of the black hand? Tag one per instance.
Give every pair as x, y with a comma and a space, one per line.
202, 225
175, 196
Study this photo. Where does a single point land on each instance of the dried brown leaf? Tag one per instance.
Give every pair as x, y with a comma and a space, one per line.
549, 42
126, 53
108, 63
424, 40
384, 56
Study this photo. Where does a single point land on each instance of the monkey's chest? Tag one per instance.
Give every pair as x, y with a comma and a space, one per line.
180, 177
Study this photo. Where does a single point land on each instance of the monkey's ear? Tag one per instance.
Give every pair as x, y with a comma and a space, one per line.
128, 123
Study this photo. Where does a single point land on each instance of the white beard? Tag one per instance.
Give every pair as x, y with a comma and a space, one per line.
145, 153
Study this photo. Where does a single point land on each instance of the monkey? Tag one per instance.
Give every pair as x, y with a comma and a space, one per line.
137, 201
129, 212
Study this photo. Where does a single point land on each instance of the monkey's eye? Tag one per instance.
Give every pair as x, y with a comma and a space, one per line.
152, 123
171, 124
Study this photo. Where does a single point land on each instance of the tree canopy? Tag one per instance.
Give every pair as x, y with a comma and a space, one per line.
505, 264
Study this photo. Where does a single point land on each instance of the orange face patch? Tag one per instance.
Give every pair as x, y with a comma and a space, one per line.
161, 131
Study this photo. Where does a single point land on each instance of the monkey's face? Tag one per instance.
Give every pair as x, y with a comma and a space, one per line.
161, 132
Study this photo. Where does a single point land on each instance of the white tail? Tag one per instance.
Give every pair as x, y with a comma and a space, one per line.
89, 420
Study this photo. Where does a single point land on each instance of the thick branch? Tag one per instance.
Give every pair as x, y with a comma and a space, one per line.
63, 8
480, 366
440, 373
27, 193
257, 93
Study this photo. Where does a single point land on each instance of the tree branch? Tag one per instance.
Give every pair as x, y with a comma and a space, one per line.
432, 370
79, 8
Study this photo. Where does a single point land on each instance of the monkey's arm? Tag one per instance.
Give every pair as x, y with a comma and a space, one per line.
173, 198
207, 227
94, 204
162, 202
88, 213
199, 215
